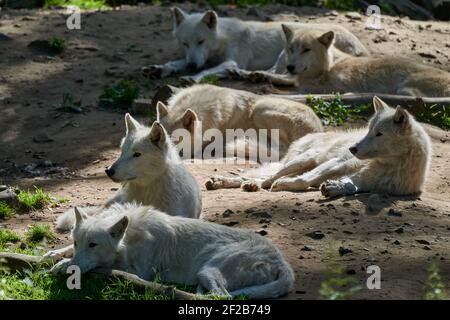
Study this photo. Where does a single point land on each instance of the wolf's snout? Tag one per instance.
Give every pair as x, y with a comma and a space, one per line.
353, 150
109, 172
191, 66
290, 68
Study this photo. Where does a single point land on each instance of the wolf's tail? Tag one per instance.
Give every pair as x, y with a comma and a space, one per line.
277, 288
66, 221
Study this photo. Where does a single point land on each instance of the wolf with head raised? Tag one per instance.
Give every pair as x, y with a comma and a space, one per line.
214, 44
151, 173
391, 156
219, 260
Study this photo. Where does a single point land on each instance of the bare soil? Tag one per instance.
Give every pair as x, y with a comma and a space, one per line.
113, 45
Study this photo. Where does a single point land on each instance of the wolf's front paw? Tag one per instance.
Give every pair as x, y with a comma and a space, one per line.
289, 184
61, 267
236, 74
155, 71
266, 184
334, 188
214, 183
250, 186
257, 76
54, 255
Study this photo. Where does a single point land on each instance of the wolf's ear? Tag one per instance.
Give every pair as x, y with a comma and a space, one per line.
326, 39
188, 119
401, 117
79, 216
210, 19
178, 16
379, 105
118, 229
130, 123
161, 110
157, 134
288, 32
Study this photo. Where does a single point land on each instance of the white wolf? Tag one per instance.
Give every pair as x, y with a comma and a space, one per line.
315, 66
391, 157
224, 43
146, 242
223, 108
151, 173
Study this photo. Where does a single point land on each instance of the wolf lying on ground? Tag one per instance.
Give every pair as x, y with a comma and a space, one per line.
223, 43
392, 156
223, 108
311, 65
151, 173
144, 241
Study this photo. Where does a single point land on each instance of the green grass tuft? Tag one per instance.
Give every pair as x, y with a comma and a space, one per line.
120, 95
335, 112
436, 115
33, 200
5, 210
434, 286
39, 232
82, 4
8, 236
337, 284
210, 79
57, 44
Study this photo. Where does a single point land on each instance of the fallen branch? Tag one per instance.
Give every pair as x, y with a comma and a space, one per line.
413, 104
16, 262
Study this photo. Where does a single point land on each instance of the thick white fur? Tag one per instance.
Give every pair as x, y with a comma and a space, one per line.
392, 156
146, 242
157, 177
225, 108
227, 43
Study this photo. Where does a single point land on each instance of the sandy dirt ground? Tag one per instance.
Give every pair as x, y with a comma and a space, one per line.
67, 153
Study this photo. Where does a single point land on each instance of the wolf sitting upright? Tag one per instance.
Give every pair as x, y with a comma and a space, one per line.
224, 108
223, 43
315, 66
217, 259
151, 173
391, 157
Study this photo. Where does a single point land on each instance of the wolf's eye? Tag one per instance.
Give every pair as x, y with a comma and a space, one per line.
306, 50
92, 245
136, 154
379, 134
186, 44
201, 42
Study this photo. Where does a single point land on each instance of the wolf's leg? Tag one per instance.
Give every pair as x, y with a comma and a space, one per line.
331, 168
219, 182
219, 71
211, 279
296, 166
164, 70
345, 186
56, 255
262, 76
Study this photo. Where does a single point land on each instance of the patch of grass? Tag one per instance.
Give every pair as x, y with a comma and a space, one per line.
33, 200
82, 4
340, 4
335, 112
337, 285
120, 95
39, 232
210, 79
5, 210
436, 115
70, 104
434, 286
57, 44
8, 236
